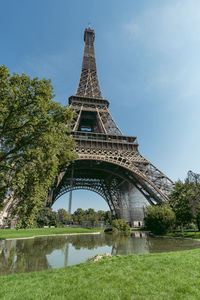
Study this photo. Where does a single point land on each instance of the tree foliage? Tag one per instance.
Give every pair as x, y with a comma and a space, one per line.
120, 225
34, 141
91, 216
63, 216
193, 180
159, 218
180, 203
46, 217
185, 200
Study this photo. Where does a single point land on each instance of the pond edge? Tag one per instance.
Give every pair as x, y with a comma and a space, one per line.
55, 234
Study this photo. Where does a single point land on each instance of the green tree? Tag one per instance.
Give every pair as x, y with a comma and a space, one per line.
108, 217
159, 218
180, 201
46, 217
185, 200
100, 215
198, 219
78, 216
91, 216
34, 141
193, 183
63, 216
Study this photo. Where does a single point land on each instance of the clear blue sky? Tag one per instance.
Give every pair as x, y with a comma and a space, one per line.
148, 60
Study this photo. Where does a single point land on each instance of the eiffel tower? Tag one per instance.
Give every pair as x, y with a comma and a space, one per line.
108, 162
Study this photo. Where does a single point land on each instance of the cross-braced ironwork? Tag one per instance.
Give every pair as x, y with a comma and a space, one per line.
108, 162
89, 84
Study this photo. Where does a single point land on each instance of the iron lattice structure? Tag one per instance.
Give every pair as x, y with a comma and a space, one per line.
108, 162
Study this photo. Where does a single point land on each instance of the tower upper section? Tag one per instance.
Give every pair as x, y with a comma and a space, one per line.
88, 84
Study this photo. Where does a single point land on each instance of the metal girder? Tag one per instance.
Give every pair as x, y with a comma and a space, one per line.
106, 178
88, 84
90, 179
107, 160
158, 184
103, 117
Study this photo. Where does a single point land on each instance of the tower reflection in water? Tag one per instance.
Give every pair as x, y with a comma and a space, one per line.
19, 256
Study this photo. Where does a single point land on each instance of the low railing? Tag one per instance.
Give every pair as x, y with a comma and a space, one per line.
104, 137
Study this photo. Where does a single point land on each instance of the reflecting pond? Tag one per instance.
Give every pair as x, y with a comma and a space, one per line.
41, 253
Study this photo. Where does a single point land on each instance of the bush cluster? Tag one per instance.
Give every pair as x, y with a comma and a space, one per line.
159, 219
181, 212
118, 225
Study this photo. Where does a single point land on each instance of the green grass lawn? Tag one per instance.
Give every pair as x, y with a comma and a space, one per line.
174, 275
21, 233
186, 234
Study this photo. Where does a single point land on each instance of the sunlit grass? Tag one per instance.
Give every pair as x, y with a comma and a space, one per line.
172, 275
21, 233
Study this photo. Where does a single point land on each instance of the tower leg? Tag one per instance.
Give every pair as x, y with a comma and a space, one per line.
133, 203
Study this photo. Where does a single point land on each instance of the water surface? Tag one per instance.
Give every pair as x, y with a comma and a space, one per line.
42, 253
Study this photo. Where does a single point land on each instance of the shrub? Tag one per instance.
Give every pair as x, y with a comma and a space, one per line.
120, 225
109, 229
159, 219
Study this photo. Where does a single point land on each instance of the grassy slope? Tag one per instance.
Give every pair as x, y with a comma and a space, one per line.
13, 233
172, 275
